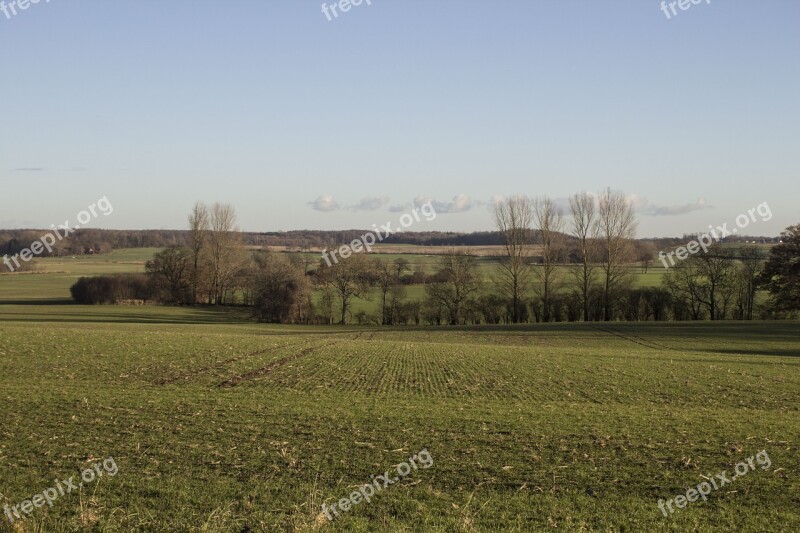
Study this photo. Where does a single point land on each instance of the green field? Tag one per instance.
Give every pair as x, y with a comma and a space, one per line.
55, 275
217, 424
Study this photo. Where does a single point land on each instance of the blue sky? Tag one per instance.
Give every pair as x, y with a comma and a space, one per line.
305, 123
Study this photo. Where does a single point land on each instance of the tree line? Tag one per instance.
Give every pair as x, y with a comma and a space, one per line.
555, 266
86, 241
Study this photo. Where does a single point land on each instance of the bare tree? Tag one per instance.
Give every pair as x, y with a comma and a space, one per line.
198, 236
705, 280
328, 297
718, 269
307, 260
170, 269
225, 251
349, 278
401, 266
549, 220
458, 280
645, 252
397, 308
616, 224
584, 229
280, 288
752, 263
685, 284
513, 218
388, 281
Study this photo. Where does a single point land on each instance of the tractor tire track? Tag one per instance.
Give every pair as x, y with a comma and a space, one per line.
194, 373
633, 339
248, 376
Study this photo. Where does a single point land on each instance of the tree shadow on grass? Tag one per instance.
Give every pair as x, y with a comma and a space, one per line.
778, 352
65, 312
53, 301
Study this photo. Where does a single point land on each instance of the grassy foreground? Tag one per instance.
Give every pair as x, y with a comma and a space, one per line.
220, 426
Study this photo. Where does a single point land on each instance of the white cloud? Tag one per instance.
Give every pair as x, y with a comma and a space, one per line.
671, 210
460, 203
324, 203
371, 203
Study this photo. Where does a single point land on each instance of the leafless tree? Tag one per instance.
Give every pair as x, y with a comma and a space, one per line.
349, 278
718, 270
170, 269
645, 252
706, 280
685, 284
388, 280
513, 218
584, 229
616, 225
225, 251
548, 220
458, 279
752, 259
280, 288
327, 298
198, 237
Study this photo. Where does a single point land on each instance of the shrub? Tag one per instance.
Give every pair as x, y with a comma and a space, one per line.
111, 289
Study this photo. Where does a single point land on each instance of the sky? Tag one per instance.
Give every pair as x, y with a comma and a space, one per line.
302, 122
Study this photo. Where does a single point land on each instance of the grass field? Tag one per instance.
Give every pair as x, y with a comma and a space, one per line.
57, 274
217, 424
237, 427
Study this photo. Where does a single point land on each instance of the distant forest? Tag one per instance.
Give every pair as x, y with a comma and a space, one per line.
89, 241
